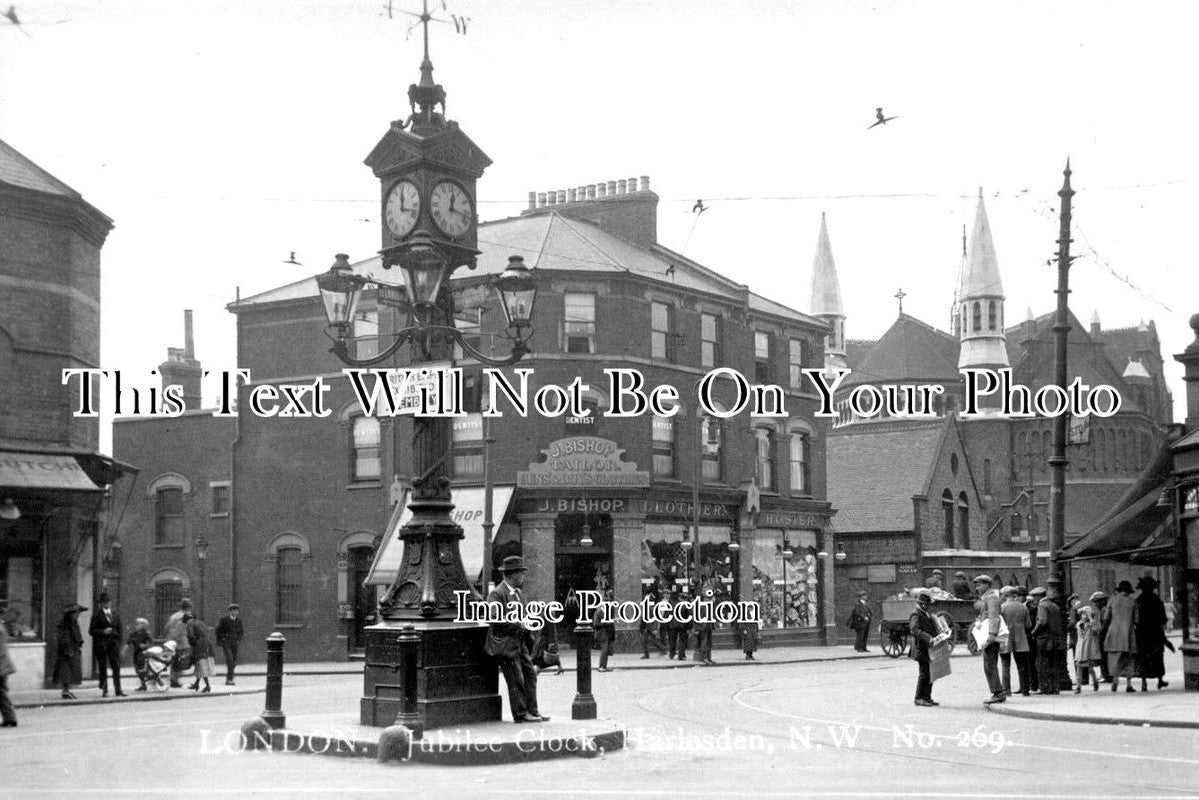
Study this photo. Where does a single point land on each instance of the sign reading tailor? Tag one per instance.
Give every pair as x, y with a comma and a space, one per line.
582, 462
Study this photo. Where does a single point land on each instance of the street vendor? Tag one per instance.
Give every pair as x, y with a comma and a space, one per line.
924, 629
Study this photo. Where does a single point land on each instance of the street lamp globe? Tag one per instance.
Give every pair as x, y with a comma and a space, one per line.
340, 291
424, 269
517, 289
201, 548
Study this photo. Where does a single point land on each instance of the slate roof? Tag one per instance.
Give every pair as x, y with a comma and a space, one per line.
909, 350
875, 469
17, 170
555, 242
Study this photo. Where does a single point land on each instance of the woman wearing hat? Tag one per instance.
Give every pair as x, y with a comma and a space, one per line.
1149, 625
1120, 640
68, 668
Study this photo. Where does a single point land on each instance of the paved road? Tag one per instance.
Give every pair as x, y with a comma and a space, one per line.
813, 730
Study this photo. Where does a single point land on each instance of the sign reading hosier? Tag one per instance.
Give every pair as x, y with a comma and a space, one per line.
582, 462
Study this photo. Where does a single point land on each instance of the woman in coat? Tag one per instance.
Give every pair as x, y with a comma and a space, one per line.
202, 653
1149, 625
68, 668
1120, 641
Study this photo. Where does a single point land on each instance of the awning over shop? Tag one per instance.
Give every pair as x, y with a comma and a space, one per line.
1137, 529
43, 471
468, 512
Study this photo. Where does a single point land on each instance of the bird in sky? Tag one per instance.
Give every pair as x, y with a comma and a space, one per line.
292, 260
11, 14
881, 120
699, 207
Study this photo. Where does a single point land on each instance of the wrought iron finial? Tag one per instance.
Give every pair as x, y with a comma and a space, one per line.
899, 296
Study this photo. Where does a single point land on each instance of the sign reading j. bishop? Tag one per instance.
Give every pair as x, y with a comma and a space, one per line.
582, 462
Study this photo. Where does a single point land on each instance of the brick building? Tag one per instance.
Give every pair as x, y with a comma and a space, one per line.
316, 503
53, 483
971, 494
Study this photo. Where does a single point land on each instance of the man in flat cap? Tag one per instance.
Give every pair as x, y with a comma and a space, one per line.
934, 581
1050, 636
990, 615
229, 633
512, 645
923, 629
1035, 596
859, 621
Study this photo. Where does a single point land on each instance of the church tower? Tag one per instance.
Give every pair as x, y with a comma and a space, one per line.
980, 313
826, 299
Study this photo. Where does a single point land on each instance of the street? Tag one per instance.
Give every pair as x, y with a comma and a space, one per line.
817, 729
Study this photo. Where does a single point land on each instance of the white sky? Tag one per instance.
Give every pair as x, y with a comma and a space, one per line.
220, 136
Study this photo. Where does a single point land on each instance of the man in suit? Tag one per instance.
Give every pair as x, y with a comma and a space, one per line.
859, 621
1034, 598
989, 615
107, 634
1050, 635
924, 629
512, 645
229, 633
1015, 616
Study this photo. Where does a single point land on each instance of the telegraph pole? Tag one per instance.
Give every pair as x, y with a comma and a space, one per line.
1058, 461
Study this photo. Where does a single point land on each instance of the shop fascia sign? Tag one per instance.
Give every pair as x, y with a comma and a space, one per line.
582, 462
790, 521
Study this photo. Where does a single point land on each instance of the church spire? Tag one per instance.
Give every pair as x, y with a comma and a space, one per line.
826, 298
980, 318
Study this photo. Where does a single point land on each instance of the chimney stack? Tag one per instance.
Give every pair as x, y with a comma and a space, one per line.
189, 344
181, 367
624, 207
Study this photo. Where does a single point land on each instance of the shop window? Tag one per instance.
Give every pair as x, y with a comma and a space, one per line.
763, 357
167, 595
797, 358
365, 461
947, 508
21, 587
664, 450
800, 479
785, 580
662, 338
221, 495
764, 442
712, 434
709, 334
579, 323
467, 438
168, 515
289, 586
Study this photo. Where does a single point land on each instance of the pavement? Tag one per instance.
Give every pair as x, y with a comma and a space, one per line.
1165, 708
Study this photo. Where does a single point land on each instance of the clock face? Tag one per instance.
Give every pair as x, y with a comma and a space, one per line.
451, 209
402, 208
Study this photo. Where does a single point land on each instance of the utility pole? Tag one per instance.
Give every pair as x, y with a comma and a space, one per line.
1058, 461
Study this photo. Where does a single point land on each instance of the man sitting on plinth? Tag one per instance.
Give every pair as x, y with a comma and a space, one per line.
511, 644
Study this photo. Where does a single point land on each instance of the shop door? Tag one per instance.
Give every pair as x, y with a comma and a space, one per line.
365, 600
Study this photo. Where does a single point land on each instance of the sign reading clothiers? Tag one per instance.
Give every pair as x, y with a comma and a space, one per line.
582, 462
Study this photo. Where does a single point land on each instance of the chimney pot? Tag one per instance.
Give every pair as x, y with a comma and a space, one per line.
581, 193
532, 200
591, 191
645, 183
622, 186
189, 347
611, 188
570, 195
541, 199
551, 198
561, 196
601, 190
632, 185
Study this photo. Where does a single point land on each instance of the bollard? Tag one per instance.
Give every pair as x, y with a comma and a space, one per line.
409, 643
584, 704
273, 714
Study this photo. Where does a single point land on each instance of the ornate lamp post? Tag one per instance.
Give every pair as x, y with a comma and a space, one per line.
201, 545
431, 570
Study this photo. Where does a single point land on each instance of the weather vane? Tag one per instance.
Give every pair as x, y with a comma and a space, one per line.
425, 17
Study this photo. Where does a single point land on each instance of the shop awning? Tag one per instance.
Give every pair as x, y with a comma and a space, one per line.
1136, 521
468, 512
43, 471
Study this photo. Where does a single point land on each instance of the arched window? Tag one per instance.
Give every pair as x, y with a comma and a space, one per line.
166, 587
964, 520
992, 316
1017, 525
947, 509
977, 317
365, 461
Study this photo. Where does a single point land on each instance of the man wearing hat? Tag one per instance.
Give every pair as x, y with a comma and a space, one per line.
990, 615
1050, 635
934, 580
107, 633
961, 586
1035, 596
859, 621
923, 628
229, 633
512, 645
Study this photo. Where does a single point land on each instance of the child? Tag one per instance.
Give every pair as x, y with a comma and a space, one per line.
139, 640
